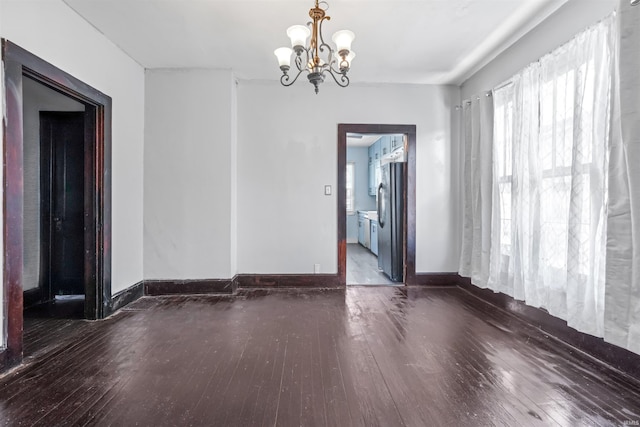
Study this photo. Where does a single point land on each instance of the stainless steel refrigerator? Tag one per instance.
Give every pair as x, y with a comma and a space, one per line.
391, 221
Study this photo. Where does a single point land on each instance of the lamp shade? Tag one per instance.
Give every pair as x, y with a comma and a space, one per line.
345, 64
343, 39
284, 56
349, 57
298, 35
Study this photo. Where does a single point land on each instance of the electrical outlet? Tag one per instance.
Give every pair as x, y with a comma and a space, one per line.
316, 268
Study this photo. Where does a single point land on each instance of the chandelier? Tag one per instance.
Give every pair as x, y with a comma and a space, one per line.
308, 58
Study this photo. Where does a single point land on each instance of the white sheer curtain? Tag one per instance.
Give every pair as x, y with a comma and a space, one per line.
622, 312
516, 201
549, 183
477, 148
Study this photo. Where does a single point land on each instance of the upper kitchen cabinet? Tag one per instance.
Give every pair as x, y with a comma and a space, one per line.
374, 151
385, 145
372, 179
396, 142
374, 164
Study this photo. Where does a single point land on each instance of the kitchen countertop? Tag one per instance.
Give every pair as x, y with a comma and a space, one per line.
372, 215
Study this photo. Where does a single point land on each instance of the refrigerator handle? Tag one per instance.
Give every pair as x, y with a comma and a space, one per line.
381, 211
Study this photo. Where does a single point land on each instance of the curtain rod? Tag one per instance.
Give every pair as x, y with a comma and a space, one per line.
503, 85
468, 101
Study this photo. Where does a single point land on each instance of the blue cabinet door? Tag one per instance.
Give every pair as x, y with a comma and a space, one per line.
372, 180
385, 145
375, 154
397, 142
377, 147
361, 229
374, 237
371, 171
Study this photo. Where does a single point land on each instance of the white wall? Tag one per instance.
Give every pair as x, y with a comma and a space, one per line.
573, 17
54, 32
36, 97
287, 152
285, 145
189, 174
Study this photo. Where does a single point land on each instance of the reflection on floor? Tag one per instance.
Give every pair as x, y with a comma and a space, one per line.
362, 267
45, 325
376, 356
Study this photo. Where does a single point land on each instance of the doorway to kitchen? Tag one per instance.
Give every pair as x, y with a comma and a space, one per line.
376, 207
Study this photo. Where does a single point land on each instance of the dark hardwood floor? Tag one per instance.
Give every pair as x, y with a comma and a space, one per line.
367, 356
362, 267
46, 325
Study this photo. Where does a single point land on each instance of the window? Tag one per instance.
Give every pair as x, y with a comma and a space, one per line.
503, 147
550, 175
351, 194
566, 142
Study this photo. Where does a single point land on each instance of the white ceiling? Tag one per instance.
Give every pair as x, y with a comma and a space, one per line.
397, 41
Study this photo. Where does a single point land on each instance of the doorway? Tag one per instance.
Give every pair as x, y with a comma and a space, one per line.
70, 224
375, 193
364, 256
53, 274
62, 205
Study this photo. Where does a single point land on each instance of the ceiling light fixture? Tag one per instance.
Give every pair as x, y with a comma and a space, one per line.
307, 58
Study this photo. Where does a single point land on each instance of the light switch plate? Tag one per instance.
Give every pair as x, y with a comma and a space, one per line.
327, 190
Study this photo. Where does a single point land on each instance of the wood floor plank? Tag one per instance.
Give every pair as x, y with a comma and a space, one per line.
364, 356
300, 403
538, 357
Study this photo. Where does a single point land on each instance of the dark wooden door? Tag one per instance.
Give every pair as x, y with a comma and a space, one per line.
62, 195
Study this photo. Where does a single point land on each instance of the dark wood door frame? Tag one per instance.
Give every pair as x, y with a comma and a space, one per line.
410, 201
19, 63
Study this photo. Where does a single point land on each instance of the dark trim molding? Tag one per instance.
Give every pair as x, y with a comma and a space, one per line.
185, 287
32, 297
289, 281
437, 279
618, 357
18, 64
234, 284
410, 201
12, 206
126, 297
